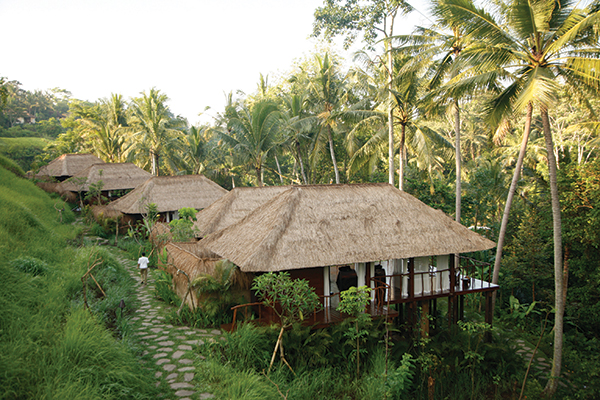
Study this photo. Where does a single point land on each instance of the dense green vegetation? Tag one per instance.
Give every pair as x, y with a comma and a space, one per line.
448, 114
51, 346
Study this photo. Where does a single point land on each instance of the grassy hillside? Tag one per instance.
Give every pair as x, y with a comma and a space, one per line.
22, 150
29, 223
51, 346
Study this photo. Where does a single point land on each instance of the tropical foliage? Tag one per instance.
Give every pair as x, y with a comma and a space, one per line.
491, 112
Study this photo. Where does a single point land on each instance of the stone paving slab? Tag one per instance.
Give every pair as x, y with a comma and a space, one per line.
158, 340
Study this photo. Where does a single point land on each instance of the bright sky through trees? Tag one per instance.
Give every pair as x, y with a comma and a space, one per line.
192, 50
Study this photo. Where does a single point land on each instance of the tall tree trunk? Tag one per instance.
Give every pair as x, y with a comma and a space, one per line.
458, 160
401, 157
154, 160
259, 176
279, 169
301, 163
509, 199
335, 167
560, 298
390, 114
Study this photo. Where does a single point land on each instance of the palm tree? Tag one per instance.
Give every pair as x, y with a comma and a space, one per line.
335, 107
375, 18
195, 148
253, 133
441, 47
104, 124
296, 127
536, 47
154, 129
414, 135
328, 95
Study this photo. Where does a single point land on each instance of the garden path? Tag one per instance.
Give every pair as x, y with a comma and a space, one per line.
168, 351
541, 365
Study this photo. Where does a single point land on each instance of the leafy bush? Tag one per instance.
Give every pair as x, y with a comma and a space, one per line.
30, 224
163, 288
23, 150
182, 229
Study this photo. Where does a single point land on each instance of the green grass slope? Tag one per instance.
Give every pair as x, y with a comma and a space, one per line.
51, 346
22, 150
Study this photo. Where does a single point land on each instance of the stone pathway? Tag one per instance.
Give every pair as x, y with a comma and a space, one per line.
541, 366
168, 350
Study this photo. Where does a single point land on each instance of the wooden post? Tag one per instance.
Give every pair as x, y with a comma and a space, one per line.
425, 318
434, 312
411, 295
489, 313
451, 298
411, 278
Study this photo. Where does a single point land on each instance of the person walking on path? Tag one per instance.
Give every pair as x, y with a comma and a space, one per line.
143, 266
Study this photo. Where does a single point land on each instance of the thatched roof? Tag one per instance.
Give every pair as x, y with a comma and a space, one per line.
311, 226
68, 165
198, 249
115, 176
234, 206
170, 193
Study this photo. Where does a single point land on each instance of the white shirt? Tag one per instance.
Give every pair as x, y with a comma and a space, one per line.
143, 262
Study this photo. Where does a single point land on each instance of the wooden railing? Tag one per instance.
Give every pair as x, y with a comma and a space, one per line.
472, 275
236, 308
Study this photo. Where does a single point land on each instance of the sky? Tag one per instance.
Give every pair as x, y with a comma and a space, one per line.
194, 51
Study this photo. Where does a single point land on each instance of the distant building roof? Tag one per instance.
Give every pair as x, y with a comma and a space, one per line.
68, 165
114, 176
170, 193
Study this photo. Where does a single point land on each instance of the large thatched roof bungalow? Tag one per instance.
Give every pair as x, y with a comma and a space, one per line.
114, 177
233, 207
307, 229
169, 193
67, 165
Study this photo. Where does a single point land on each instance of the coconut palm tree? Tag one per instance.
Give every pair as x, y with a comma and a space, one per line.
253, 133
335, 107
104, 124
154, 130
328, 95
296, 128
375, 19
195, 148
536, 47
412, 134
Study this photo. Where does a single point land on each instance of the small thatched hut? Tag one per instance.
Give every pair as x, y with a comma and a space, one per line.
67, 165
114, 177
187, 261
50, 176
233, 207
169, 193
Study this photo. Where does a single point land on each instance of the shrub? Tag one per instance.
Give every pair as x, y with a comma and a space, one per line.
163, 288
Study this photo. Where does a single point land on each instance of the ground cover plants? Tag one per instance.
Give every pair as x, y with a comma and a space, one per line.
51, 345
441, 366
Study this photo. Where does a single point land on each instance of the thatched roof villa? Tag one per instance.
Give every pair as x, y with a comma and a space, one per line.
311, 226
308, 229
67, 165
169, 193
114, 176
